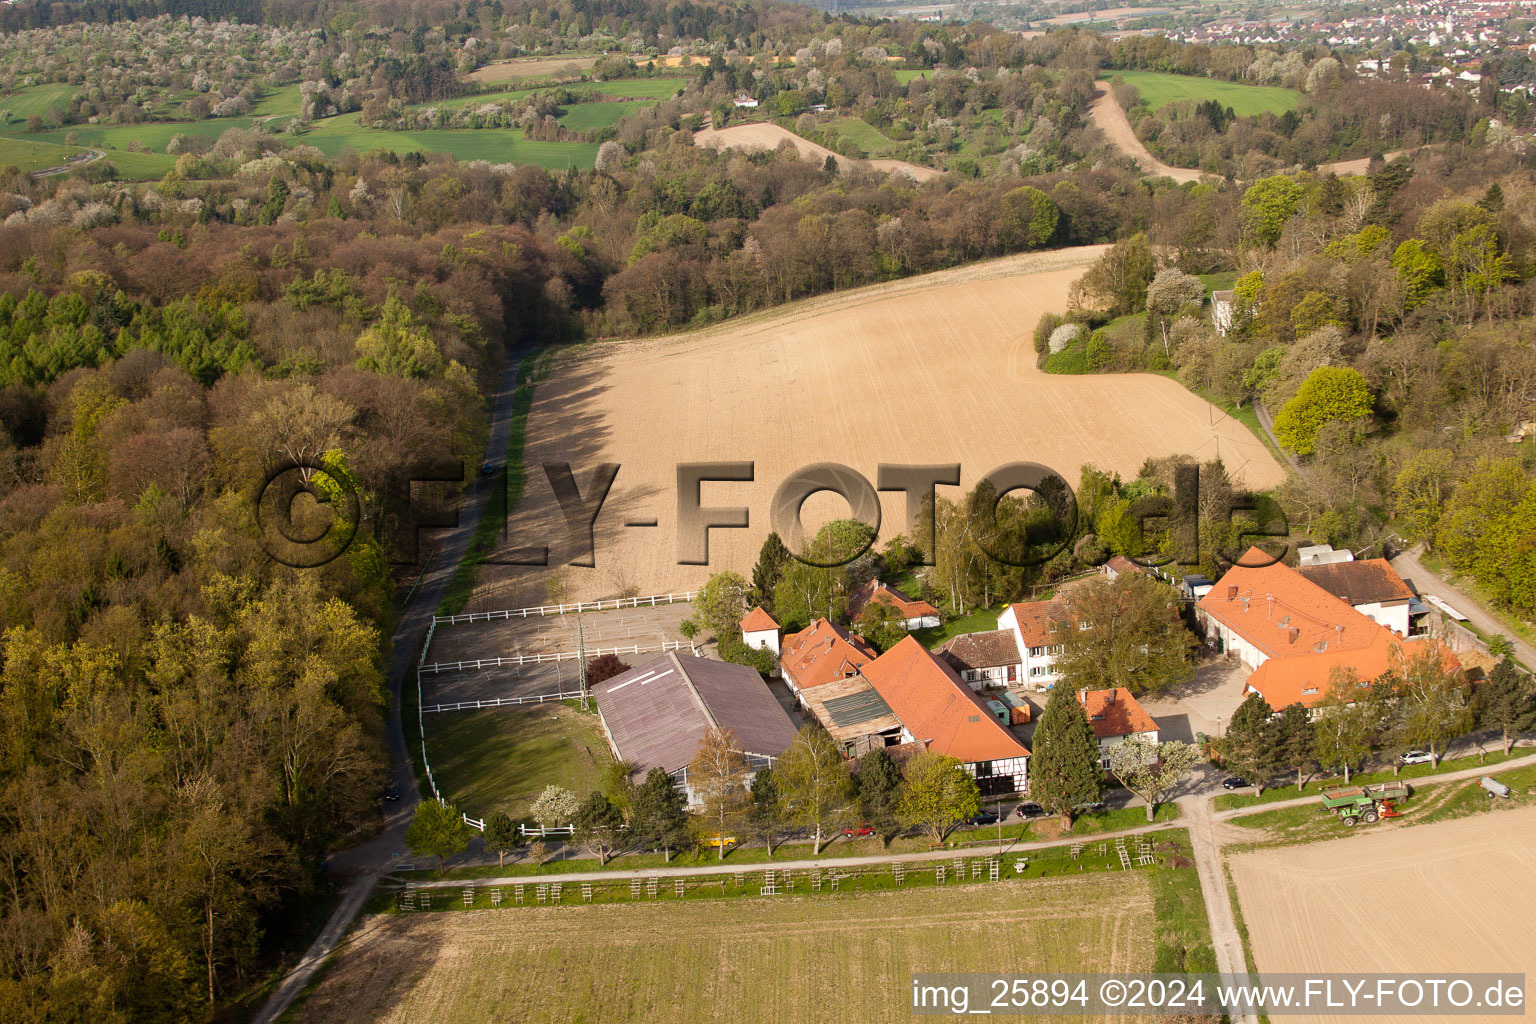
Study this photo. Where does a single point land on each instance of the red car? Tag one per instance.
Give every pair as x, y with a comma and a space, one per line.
858, 831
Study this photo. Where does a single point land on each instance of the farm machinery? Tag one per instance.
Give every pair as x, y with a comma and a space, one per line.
1365, 803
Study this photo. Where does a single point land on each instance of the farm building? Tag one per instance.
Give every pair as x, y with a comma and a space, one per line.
760, 631
983, 659
656, 714
1120, 564
1033, 625
854, 714
1293, 632
1374, 589
938, 710
1115, 715
821, 653
914, 614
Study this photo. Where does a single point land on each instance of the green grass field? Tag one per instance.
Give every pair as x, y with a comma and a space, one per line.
500, 759
840, 956
278, 102
1158, 90
499, 145
36, 99
907, 74
585, 117
32, 154
863, 134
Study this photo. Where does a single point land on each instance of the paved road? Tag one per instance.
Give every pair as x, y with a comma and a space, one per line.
1410, 568
363, 866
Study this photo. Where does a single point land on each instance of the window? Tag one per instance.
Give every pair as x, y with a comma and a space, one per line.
1037, 652
1037, 671
984, 768
1312, 690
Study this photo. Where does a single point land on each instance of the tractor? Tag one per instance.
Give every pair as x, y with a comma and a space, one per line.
1365, 803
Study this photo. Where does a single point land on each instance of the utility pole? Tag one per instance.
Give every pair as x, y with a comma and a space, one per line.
581, 656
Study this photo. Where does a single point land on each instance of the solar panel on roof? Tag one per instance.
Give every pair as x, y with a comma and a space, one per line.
853, 708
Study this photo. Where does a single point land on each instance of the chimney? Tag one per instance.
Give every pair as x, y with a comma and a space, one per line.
1231, 591
1295, 633
1082, 695
1269, 611
1111, 698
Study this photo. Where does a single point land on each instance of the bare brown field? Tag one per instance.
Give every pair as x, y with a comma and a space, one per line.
1113, 14
1358, 166
935, 369
790, 959
530, 67
1448, 897
1107, 116
755, 137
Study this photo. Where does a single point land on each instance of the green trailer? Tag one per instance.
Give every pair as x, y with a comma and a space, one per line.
1355, 804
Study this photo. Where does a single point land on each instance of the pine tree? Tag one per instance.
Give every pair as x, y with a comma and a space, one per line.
1250, 748
772, 557
1064, 767
658, 815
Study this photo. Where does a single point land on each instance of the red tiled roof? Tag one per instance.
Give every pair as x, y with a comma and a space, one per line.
1284, 681
1115, 713
758, 621
1284, 614
874, 590
935, 706
823, 652
1037, 620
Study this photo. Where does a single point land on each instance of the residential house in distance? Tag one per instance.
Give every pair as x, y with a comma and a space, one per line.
1115, 716
1293, 633
1117, 565
914, 614
940, 712
745, 102
656, 714
989, 659
1321, 554
821, 653
760, 631
1033, 625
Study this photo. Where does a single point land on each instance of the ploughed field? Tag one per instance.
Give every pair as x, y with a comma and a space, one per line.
1451, 897
934, 369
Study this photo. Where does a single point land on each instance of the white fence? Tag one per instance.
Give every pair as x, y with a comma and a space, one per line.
501, 702
474, 823
611, 604
553, 830
553, 656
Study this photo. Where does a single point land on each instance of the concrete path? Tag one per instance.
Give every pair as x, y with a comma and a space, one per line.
1410, 568
367, 863
1226, 940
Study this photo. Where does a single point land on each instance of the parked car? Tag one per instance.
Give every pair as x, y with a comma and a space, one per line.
710, 842
392, 793
1029, 810
1234, 783
1093, 808
1416, 757
982, 818
487, 469
858, 831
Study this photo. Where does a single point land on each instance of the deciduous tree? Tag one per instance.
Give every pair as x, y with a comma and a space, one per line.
938, 794
815, 788
1152, 770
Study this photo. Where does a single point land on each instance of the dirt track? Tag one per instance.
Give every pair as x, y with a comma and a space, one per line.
755, 137
936, 369
1452, 896
1106, 114
1359, 166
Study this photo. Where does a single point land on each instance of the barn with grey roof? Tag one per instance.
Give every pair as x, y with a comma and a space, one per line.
656, 714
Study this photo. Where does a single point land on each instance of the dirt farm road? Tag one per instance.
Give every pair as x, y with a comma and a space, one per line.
364, 865
1409, 567
1106, 114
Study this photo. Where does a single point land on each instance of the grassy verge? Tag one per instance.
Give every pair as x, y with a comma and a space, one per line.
840, 847
507, 491
1438, 802
1228, 801
1053, 862
1183, 927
